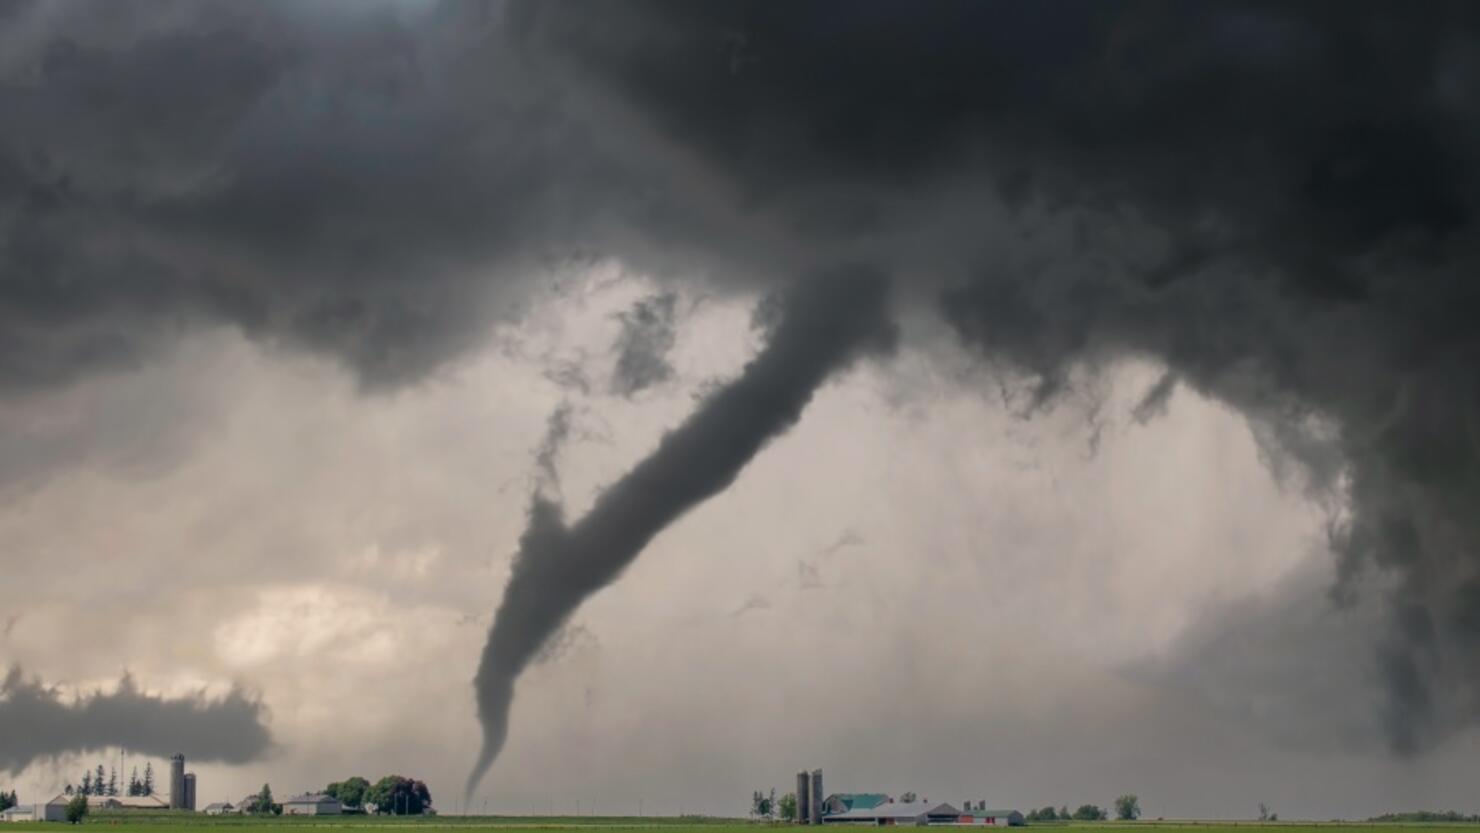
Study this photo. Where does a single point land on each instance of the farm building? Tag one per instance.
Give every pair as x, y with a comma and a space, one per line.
879, 810
20, 812
843, 802
53, 810
126, 802
246, 804
182, 784
896, 813
991, 818
312, 804
219, 808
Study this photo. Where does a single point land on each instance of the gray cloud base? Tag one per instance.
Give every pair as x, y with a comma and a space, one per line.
36, 724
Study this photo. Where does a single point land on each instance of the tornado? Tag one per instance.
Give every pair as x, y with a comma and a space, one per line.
822, 325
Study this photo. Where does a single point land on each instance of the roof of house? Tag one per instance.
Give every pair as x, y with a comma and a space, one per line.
898, 810
310, 798
219, 805
856, 801
149, 802
19, 810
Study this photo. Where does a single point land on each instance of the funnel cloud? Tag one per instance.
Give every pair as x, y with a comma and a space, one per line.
820, 328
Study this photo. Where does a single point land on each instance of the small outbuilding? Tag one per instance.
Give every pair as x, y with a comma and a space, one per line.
20, 812
219, 808
53, 810
992, 818
312, 804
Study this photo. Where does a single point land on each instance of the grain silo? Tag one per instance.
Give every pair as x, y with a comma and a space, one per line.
189, 801
804, 803
177, 781
816, 796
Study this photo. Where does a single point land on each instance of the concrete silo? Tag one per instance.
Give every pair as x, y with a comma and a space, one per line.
816, 796
177, 781
804, 803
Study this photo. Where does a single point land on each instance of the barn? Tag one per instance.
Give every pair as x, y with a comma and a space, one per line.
312, 804
896, 813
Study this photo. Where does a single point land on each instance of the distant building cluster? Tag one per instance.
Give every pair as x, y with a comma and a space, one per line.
182, 797
308, 804
881, 810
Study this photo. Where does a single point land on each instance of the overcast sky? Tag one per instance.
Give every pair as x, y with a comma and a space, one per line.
1108, 369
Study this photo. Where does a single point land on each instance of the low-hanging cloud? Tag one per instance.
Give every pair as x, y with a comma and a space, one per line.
36, 723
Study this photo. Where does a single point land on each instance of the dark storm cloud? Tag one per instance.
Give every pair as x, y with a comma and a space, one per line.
1276, 201
370, 182
37, 723
822, 325
648, 335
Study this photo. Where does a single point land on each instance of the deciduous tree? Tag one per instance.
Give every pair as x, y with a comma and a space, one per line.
350, 792
1128, 807
76, 809
399, 796
788, 807
1089, 812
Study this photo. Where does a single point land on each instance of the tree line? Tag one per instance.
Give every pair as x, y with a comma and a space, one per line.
393, 795
7, 800
100, 785
1127, 808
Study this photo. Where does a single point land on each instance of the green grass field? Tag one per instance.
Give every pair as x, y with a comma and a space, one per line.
186, 823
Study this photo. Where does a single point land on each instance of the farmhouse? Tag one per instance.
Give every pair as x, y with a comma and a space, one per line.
20, 812
219, 808
312, 804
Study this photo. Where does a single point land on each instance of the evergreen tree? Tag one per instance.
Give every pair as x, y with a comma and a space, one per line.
148, 779
112, 781
99, 785
263, 804
134, 786
86, 784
